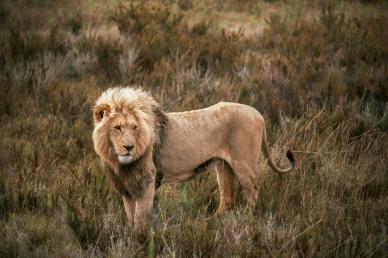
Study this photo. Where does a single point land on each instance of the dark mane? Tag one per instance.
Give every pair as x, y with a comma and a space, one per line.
161, 124
135, 177
132, 179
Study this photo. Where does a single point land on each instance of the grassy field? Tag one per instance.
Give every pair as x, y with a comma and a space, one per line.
316, 70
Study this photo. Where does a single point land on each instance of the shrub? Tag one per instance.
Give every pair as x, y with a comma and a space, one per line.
108, 57
160, 35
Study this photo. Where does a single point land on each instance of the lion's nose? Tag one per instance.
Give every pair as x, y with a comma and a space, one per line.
129, 147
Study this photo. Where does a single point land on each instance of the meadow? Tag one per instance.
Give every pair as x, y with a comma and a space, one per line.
317, 70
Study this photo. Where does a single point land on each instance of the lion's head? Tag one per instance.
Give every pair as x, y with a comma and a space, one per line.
124, 125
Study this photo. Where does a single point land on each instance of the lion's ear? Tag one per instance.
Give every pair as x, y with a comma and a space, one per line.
100, 111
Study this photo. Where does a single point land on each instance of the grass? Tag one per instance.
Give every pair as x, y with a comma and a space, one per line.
317, 70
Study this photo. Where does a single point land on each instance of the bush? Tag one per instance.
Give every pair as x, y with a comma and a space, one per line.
160, 35
108, 57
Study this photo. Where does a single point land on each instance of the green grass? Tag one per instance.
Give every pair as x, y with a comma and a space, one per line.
317, 70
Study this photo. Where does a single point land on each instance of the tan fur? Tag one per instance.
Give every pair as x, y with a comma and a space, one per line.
226, 136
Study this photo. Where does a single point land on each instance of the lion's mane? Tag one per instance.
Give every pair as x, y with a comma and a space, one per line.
129, 179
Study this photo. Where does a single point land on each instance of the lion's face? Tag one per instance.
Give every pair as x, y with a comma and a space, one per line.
121, 134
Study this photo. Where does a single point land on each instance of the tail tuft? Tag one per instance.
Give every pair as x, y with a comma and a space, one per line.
291, 157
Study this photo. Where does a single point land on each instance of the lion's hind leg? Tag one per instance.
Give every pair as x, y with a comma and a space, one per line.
226, 182
247, 177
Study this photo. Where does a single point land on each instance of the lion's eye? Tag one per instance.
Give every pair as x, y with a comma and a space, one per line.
118, 127
134, 127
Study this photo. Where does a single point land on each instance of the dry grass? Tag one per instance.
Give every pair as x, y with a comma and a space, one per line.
317, 70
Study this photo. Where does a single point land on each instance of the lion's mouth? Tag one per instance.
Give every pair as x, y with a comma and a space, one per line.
125, 159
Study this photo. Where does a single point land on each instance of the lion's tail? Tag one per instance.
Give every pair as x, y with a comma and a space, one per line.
272, 164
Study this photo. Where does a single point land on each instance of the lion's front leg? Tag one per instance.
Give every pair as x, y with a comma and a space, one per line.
129, 206
144, 207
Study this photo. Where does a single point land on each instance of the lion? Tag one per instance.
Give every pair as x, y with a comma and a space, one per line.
143, 147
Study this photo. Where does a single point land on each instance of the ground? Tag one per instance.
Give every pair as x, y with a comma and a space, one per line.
316, 70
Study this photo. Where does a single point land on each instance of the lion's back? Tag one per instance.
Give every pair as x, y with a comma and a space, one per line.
240, 113
221, 115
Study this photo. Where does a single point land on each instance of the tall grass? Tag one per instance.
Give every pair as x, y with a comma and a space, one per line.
319, 79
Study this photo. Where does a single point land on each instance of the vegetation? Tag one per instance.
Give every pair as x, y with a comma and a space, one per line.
316, 70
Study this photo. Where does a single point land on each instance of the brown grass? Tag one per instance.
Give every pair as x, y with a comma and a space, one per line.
318, 72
